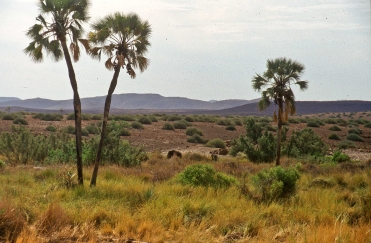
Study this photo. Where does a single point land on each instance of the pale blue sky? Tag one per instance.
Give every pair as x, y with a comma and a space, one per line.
207, 49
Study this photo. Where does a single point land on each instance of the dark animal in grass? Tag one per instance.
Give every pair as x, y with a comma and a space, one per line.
173, 153
214, 157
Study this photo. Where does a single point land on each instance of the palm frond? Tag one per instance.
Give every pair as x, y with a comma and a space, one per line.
302, 84
109, 65
75, 50
264, 102
85, 43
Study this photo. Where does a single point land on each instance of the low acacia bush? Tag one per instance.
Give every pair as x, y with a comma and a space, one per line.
168, 126
189, 119
230, 128
51, 129
294, 121
192, 131
174, 118
335, 128
237, 122
196, 139
84, 132
8, 117
313, 124
124, 132
339, 157
144, 120
136, 125
204, 175
70, 129
20, 121
334, 137
305, 142
275, 183
346, 144
354, 137
153, 119
368, 125
96, 117
223, 122
49, 117
92, 129
355, 131
330, 121
180, 125
216, 143
84, 117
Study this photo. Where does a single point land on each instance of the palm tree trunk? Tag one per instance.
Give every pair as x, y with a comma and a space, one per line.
77, 110
107, 106
278, 152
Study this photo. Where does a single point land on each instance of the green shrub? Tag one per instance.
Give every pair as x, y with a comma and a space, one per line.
368, 125
8, 117
196, 139
144, 120
124, 132
70, 129
204, 175
180, 125
334, 137
237, 122
51, 129
84, 132
96, 117
92, 129
20, 121
294, 121
153, 119
174, 118
49, 117
223, 122
346, 144
355, 131
330, 121
304, 142
230, 128
189, 119
340, 157
275, 183
313, 124
85, 117
216, 143
354, 137
137, 125
70, 117
168, 126
335, 128
192, 131
341, 122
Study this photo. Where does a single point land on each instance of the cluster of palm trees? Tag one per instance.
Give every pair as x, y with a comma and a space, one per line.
125, 40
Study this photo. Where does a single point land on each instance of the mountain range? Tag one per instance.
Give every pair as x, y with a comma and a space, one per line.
147, 103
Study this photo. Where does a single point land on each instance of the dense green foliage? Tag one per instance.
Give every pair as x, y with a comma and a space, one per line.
216, 143
334, 136
275, 183
204, 175
192, 131
168, 126
354, 137
305, 142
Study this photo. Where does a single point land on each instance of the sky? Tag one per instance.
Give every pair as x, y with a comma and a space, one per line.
206, 49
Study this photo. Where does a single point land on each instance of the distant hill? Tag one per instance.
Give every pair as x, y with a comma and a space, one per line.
302, 108
4, 99
127, 102
150, 103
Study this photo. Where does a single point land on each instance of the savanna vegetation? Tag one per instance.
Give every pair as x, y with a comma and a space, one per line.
315, 192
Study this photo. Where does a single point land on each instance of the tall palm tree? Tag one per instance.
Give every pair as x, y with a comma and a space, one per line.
281, 73
52, 35
124, 38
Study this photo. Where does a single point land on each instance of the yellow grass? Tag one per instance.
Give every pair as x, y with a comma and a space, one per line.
127, 205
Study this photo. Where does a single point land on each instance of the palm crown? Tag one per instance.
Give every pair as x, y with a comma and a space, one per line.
124, 38
281, 73
66, 22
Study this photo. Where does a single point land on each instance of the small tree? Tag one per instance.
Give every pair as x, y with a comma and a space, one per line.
124, 38
281, 73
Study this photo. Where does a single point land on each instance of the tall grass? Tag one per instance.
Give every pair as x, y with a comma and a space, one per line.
132, 203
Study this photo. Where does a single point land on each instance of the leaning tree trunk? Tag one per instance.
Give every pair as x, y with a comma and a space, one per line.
107, 106
77, 110
278, 152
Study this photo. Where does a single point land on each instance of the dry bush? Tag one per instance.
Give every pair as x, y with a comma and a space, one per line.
12, 221
54, 219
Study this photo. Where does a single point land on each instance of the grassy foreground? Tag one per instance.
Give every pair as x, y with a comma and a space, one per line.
332, 204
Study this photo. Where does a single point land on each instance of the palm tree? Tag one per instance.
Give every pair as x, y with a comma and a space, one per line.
124, 38
51, 35
281, 73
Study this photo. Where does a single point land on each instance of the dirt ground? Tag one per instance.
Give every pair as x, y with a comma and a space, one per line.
154, 138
